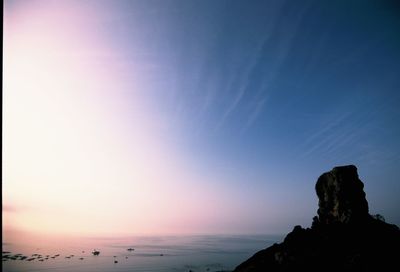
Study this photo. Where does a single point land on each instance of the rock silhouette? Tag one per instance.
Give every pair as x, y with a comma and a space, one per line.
341, 196
343, 237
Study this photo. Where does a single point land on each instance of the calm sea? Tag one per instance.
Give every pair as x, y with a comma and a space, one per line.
156, 253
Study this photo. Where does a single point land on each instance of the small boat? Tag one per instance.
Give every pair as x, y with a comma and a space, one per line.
130, 249
96, 252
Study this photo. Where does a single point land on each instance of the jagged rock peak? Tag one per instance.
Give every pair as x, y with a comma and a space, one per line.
341, 196
344, 237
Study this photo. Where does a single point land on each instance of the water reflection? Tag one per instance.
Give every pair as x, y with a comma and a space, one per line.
155, 253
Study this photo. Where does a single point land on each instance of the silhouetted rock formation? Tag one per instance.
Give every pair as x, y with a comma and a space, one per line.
341, 196
344, 237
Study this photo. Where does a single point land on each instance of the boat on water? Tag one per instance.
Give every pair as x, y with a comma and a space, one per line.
95, 252
130, 249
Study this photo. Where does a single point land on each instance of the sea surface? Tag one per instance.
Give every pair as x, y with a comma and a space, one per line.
155, 253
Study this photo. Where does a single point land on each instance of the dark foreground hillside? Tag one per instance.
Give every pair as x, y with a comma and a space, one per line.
343, 237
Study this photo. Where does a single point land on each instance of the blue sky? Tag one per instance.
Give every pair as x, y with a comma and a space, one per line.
253, 99
281, 89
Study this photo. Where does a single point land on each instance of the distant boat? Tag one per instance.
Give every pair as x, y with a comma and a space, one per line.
130, 249
96, 252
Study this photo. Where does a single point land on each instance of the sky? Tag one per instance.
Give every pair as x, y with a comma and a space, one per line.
194, 117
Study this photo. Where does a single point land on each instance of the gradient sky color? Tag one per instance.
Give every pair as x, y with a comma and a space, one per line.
183, 117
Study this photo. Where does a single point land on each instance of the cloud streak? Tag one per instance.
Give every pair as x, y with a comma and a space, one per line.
270, 67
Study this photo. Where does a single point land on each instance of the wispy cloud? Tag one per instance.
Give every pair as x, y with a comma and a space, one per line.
244, 83
341, 130
253, 64
322, 136
255, 113
272, 66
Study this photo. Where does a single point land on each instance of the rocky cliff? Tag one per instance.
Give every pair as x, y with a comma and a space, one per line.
343, 237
